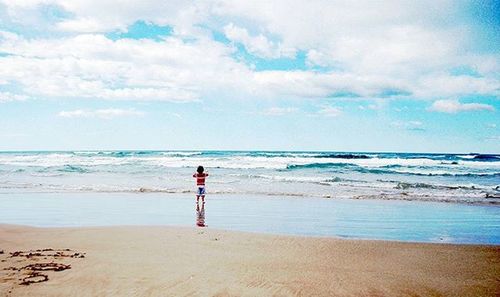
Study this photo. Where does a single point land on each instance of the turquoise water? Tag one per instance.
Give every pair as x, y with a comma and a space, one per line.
341, 194
365, 219
466, 178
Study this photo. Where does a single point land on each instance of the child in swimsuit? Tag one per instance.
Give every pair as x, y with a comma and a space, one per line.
200, 183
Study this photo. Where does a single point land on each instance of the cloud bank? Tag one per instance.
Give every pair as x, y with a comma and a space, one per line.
371, 50
453, 106
106, 114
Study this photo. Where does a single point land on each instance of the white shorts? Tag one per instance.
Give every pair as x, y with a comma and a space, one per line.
201, 190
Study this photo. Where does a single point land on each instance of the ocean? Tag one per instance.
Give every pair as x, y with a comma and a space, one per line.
462, 178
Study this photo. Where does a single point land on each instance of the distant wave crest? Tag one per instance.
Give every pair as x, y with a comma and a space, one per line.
393, 169
343, 156
487, 157
316, 165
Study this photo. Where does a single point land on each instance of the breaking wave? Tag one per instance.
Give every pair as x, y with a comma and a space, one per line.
325, 174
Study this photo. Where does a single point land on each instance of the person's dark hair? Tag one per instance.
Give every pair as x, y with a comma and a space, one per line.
200, 169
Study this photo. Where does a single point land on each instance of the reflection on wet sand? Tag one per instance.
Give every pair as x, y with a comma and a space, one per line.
200, 215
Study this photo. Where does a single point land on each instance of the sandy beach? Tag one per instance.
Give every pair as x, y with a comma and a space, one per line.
185, 261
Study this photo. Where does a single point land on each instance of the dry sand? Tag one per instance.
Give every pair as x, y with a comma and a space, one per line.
168, 261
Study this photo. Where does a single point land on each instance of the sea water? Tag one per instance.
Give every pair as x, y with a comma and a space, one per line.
466, 178
412, 221
393, 196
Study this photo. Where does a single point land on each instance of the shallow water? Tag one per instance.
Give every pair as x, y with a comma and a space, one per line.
365, 219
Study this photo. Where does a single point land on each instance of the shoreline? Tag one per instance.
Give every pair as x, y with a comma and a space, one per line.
251, 233
168, 261
405, 221
491, 200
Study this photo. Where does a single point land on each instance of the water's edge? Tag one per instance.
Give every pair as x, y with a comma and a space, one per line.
408, 221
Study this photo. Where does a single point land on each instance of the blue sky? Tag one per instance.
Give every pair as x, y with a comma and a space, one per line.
280, 75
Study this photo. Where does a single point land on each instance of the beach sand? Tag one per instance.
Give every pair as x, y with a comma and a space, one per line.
183, 261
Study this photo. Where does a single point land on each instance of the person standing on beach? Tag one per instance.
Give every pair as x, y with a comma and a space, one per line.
200, 176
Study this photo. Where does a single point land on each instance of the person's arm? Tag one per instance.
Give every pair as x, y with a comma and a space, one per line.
194, 175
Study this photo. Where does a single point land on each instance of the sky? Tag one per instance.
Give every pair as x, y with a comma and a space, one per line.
393, 76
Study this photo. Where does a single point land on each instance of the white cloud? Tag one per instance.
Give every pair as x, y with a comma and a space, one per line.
454, 106
363, 34
100, 113
279, 111
7, 97
175, 114
373, 41
447, 86
372, 46
103, 15
257, 45
317, 58
404, 108
306, 84
92, 66
81, 25
330, 111
378, 106
409, 125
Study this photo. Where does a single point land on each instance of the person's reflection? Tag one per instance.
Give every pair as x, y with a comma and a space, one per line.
200, 215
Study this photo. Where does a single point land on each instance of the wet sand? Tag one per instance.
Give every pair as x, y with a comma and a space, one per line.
184, 261
345, 218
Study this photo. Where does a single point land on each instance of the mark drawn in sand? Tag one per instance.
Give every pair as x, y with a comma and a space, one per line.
47, 253
19, 270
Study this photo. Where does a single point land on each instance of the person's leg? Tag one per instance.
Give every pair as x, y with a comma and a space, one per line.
198, 194
203, 198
